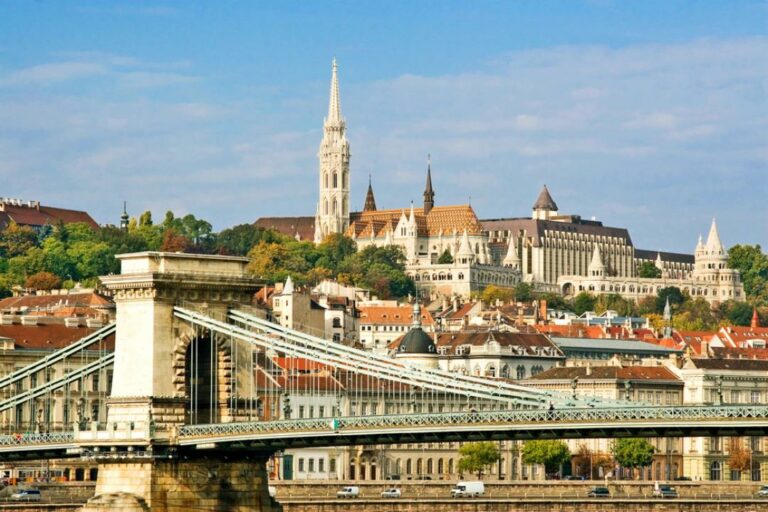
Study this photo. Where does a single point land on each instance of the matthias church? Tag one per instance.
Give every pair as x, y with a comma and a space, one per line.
450, 251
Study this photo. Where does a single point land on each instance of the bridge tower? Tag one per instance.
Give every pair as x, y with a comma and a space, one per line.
162, 369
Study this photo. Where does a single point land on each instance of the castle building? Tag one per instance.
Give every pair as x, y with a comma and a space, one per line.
710, 277
548, 245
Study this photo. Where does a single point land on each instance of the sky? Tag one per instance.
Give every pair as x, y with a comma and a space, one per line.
649, 115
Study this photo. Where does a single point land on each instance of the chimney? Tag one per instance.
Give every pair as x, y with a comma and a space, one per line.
755, 320
543, 310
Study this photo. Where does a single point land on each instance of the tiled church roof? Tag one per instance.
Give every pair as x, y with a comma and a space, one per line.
441, 218
289, 226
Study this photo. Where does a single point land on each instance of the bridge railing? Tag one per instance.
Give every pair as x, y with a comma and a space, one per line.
35, 438
602, 416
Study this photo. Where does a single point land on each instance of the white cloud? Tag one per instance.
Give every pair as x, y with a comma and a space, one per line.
53, 73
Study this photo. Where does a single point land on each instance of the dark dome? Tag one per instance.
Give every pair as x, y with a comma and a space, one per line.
416, 341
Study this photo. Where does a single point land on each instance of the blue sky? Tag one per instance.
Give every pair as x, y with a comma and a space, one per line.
649, 115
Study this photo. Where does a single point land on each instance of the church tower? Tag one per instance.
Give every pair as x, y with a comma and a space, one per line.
333, 208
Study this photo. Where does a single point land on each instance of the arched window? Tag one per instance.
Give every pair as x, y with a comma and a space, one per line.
715, 470
335, 180
409, 467
450, 466
335, 206
505, 371
430, 467
440, 467
325, 180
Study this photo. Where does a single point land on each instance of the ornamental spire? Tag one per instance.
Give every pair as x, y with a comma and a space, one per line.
370, 201
429, 193
334, 105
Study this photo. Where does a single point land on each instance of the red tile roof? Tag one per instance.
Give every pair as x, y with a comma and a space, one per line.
290, 226
48, 337
37, 216
608, 372
395, 315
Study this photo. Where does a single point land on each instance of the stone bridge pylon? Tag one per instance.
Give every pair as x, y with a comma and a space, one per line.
167, 374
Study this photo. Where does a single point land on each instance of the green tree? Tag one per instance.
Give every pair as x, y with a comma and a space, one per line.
648, 269
632, 452
552, 454
736, 313
333, 250
16, 240
615, 302
676, 298
752, 264
240, 239
695, 315
583, 302
523, 292
445, 258
477, 457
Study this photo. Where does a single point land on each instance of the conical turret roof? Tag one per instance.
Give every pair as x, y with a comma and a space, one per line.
597, 260
714, 245
545, 201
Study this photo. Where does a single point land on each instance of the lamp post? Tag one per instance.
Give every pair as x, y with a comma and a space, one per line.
287, 407
719, 384
574, 385
627, 390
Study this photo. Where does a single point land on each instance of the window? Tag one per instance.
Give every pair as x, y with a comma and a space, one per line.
95, 382
301, 465
321, 465
301, 411
332, 465
311, 465
321, 411
715, 444
337, 322
755, 397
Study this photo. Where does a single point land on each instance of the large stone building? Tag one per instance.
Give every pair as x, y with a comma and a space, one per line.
37, 216
709, 278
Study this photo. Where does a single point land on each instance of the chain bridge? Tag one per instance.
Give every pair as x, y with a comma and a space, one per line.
197, 403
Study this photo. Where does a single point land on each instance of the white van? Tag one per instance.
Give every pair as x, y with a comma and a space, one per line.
349, 492
468, 489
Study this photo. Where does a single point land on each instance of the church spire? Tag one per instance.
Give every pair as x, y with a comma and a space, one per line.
124, 219
334, 105
370, 201
429, 194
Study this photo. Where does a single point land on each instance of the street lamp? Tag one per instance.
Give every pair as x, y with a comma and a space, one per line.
719, 384
627, 390
574, 385
286, 407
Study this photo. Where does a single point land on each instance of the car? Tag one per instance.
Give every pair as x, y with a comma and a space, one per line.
393, 477
683, 478
26, 495
665, 491
351, 491
599, 492
574, 477
391, 493
763, 491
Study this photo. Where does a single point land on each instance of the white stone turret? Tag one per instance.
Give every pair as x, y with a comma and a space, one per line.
465, 254
596, 266
512, 259
333, 206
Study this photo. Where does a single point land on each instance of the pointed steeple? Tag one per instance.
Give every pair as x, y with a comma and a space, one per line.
429, 194
370, 201
288, 287
545, 201
714, 245
667, 311
511, 259
124, 219
596, 266
334, 105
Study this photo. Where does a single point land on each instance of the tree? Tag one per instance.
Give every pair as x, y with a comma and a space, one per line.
583, 302
445, 258
739, 458
523, 292
675, 298
493, 293
43, 281
238, 240
695, 315
16, 240
752, 264
648, 269
614, 302
633, 452
174, 242
476, 457
552, 454
736, 313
